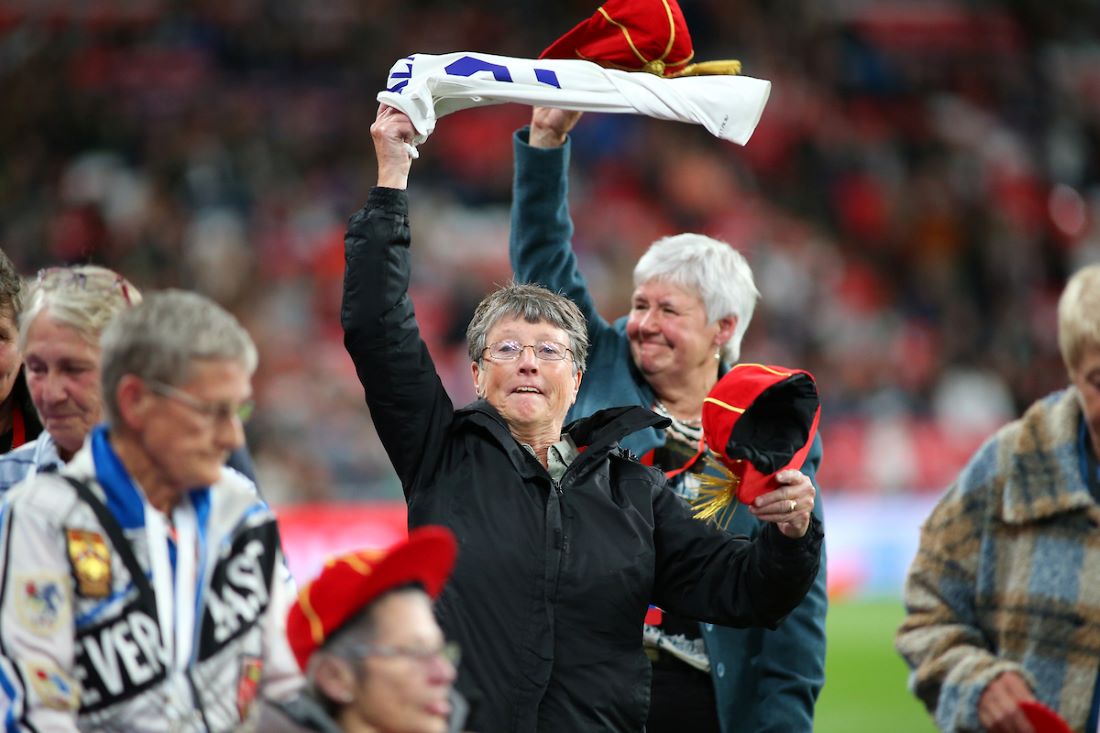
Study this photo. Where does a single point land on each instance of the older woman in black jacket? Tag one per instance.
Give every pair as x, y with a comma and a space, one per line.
564, 538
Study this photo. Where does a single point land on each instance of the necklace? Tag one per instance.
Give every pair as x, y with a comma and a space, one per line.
664, 411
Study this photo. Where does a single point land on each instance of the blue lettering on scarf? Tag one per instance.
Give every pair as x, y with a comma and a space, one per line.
470, 65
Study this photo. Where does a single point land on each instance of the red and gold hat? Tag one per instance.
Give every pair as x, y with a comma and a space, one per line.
757, 421
354, 580
637, 35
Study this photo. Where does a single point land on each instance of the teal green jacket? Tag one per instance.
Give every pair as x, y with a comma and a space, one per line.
764, 681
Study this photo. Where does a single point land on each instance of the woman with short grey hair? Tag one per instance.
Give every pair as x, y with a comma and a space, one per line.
532, 304
564, 537
174, 332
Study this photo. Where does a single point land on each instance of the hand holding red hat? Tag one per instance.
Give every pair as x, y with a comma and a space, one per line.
789, 506
1001, 705
757, 421
1043, 719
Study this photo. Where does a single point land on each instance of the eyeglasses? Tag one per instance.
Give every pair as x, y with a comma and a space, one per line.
450, 651
216, 411
510, 350
52, 278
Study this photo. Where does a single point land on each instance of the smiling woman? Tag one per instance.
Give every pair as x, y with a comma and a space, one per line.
527, 372
694, 297
564, 537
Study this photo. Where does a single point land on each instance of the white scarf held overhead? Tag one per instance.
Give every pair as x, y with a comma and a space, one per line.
427, 87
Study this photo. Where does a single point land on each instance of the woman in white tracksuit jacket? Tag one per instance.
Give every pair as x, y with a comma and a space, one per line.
129, 599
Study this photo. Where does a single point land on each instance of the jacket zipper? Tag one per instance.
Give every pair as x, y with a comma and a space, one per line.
563, 537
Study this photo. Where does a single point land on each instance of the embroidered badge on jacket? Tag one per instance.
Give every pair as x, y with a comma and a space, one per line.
41, 604
91, 562
248, 684
52, 686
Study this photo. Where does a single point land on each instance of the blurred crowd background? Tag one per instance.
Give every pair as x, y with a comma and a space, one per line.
925, 176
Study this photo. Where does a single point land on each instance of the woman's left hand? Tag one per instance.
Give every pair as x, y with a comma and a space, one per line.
789, 506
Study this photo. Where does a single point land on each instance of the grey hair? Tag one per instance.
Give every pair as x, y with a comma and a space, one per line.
715, 270
344, 643
83, 297
160, 339
534, 304
1079, 315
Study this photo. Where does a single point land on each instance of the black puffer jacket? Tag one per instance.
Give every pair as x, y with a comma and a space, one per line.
553, 579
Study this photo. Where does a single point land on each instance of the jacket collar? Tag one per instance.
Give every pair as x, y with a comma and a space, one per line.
1047, 478
595, 435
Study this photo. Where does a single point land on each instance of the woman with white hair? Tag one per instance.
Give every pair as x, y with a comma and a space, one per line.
65, 312
693, 300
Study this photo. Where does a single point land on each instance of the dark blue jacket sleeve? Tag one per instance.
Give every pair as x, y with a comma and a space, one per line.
540, 245
769, 681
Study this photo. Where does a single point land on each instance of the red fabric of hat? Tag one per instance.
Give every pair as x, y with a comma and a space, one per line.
633, 35
352, 581
1043, 719
760, 420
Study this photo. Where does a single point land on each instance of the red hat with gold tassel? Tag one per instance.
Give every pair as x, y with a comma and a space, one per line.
757, 421
637, 35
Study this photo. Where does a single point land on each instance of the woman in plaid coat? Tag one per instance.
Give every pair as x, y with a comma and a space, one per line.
1003, 598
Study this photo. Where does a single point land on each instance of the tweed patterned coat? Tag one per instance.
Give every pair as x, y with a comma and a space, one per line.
1007, 577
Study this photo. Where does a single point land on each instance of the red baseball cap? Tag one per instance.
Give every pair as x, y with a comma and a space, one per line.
758, 420
354, 580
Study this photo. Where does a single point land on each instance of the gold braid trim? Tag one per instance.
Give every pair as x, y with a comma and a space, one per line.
660, 65
316, 628
654, 66
729, 67
724, 405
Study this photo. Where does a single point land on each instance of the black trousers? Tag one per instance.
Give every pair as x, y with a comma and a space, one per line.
681, 699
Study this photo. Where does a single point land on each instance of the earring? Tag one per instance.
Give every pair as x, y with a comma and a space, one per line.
718, 355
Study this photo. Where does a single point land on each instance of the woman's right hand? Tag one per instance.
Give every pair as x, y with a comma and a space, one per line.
789, 506
393, 133
999, 705
549, 126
